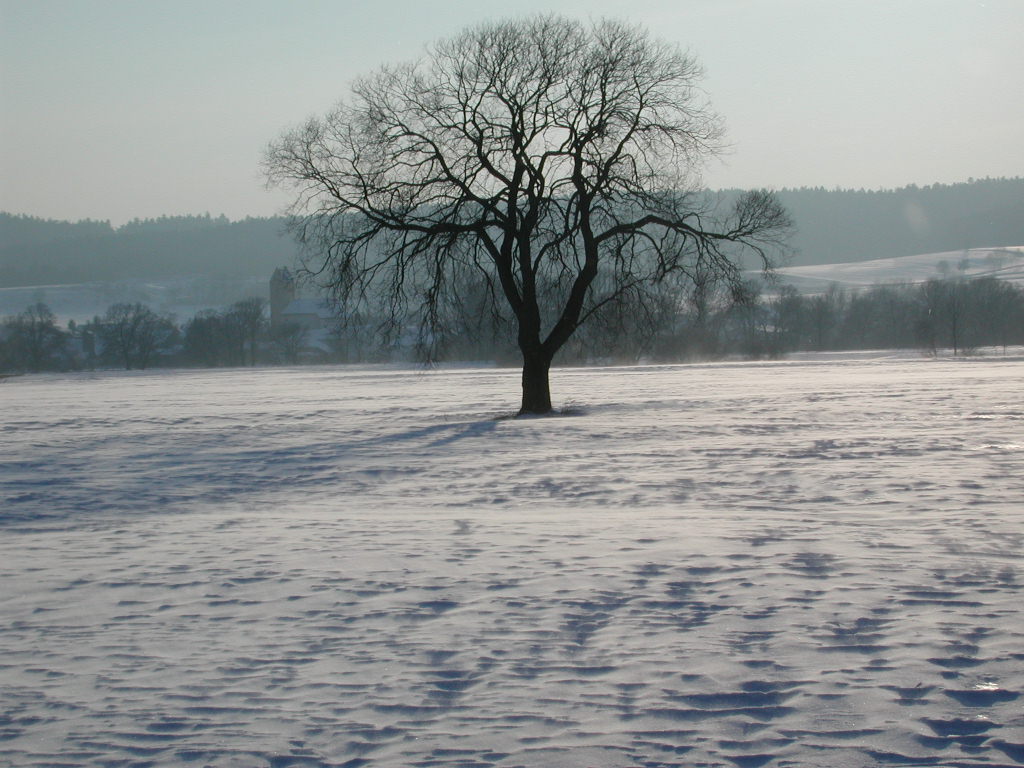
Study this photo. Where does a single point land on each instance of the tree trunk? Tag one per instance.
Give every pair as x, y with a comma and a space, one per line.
536, 388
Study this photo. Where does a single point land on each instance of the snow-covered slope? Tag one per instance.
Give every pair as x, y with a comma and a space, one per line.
1003, 263
805, 563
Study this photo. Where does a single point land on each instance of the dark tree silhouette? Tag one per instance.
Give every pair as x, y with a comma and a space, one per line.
557, 161
249, 317
288, 340
134, 334
208, 342
215, 338
31, 340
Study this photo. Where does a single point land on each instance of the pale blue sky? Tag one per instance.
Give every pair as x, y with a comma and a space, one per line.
116, 109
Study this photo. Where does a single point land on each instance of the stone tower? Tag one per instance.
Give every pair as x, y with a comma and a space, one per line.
282, 293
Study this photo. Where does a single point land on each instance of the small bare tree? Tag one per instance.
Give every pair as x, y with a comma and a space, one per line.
134, 334
288, 340
559, 162
31, 340
249, 317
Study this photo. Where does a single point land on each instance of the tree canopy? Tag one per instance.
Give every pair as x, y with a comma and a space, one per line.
553, 164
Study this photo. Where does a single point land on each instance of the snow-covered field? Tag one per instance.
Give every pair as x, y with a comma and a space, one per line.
803, 563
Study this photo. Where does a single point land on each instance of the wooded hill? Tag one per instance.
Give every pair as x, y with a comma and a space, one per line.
45, 252
832, 226
837, 226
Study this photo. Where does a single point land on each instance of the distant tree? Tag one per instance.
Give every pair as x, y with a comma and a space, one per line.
558, 161
288, 339
997, 308
249, 318
944, 314
31, 341
708, 297
134, 334
958, 314
790, 312
215, 338
204, 338
883, 316
88, 337
824, 313
752, 327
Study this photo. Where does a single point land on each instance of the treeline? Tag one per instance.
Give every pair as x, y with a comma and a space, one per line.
133, 336
953, 315
942, 316
832, 226
44, 252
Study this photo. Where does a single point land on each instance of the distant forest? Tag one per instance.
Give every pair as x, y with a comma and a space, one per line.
835, 226
832, 226
37, 251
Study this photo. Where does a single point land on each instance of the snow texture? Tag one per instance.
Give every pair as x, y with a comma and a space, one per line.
805, 563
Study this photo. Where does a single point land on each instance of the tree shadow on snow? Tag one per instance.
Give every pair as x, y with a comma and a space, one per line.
453, 432
447, 433
568, 410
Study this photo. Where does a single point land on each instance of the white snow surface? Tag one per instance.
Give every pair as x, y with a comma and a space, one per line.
814, 562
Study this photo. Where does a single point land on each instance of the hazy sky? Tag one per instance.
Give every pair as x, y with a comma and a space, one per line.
116, 109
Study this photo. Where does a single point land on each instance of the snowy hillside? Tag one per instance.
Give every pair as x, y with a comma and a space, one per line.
808, 563
1003, 263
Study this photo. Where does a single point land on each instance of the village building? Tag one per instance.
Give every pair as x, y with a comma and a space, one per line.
289, 307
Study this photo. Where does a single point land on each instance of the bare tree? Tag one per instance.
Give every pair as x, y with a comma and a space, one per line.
134, 333
249, 317
823, 313
998, 310
31, 340
288, 340
557, 161
201, 338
